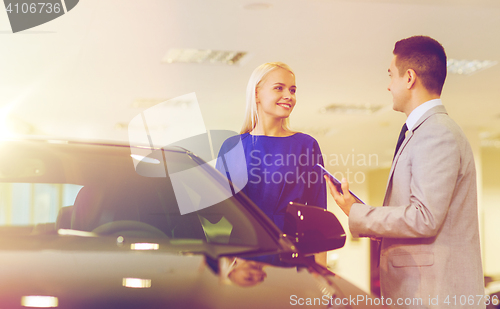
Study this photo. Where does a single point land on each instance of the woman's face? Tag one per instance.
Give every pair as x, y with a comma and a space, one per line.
275, 94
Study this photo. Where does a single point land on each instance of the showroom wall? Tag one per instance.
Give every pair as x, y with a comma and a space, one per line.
491, 209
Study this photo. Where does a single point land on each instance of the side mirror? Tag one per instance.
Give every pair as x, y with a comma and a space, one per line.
313, 229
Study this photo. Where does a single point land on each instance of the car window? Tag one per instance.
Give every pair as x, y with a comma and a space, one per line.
34, 203
107, 197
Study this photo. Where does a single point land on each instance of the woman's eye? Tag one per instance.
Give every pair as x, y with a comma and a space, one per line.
292, 91
279, 88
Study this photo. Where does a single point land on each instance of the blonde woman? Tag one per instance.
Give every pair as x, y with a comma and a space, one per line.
279, 161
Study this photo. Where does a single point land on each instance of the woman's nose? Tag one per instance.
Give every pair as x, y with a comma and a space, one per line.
287, 94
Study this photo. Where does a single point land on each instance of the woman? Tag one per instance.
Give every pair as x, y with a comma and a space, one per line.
279, 162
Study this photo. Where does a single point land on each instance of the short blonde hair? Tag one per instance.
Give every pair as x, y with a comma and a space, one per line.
251, 117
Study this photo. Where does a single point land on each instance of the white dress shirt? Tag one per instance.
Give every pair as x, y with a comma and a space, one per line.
420, 111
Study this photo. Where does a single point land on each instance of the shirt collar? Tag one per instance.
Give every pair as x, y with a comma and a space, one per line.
420, 111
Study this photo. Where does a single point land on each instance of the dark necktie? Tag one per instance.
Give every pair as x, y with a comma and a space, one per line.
401, 138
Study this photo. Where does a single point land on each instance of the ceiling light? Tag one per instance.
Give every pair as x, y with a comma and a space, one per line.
136, 283
190, 55
467, 67
39, 301
489, 139
144, 246
490, 143
69, 232
350, 109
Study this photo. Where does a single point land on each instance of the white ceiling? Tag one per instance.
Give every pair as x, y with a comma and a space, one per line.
78, 75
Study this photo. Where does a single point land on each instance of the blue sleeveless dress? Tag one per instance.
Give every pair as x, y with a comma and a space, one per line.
278, 170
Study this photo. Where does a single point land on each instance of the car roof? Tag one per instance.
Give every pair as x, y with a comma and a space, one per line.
75, 141
45, 160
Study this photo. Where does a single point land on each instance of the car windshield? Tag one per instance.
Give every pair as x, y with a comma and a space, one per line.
94, 190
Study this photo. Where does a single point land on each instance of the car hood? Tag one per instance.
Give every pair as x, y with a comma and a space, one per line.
175, 277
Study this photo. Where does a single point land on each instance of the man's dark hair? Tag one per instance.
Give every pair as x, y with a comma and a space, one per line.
426, 57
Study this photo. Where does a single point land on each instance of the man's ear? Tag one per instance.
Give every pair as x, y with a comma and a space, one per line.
411, 78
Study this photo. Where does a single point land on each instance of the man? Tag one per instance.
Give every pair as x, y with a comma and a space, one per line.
430, 253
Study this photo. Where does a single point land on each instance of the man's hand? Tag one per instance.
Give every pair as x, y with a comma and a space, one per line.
345, 200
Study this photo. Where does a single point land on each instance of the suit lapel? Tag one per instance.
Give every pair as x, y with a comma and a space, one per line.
440, 109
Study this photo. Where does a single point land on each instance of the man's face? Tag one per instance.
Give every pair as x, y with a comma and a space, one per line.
398, 87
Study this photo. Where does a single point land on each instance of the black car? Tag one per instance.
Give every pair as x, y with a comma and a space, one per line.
82, 227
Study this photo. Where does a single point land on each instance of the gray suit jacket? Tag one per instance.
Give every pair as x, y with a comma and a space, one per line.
430, 254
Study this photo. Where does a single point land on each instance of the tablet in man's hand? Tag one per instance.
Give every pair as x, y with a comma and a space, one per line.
338, 184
